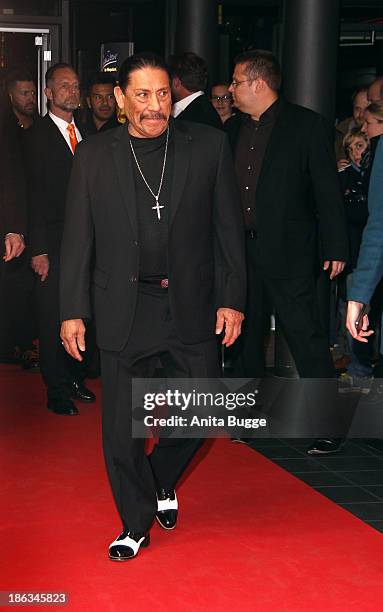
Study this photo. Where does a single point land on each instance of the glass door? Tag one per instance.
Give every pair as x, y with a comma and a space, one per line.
30, 48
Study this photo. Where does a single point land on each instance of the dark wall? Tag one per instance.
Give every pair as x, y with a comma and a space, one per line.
244, 27
358, 66
96, 22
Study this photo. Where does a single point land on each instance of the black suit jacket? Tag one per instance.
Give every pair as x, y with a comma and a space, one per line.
13, 215
206, 262
298, 198
201, 110
49, 161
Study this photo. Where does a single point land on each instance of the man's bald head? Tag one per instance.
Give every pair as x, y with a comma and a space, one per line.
375, 90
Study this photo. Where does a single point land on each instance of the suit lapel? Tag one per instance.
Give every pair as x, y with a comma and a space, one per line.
123, 162
59, 138
182, 152
276, 137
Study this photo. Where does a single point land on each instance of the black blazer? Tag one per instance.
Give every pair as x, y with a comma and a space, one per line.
201, 110
298, 199
49, 162
206, 261
13, 214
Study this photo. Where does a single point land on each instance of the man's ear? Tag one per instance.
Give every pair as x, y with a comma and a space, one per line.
176, 83
120, 97
259, 85
48, 93
88, 102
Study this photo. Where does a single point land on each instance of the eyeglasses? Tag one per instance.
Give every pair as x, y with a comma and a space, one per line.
236, 83
225, 98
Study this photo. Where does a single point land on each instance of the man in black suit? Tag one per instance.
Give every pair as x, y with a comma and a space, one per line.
100, 114
169, 276
290, 198
13, 215
189, 81
21, 321
51, 143
22, 93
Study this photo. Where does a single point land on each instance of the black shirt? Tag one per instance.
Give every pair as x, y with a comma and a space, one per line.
88, 127
253, 139
153, 232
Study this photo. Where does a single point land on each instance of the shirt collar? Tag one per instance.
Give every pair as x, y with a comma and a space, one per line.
180, 106
61, 123
270, 113
267, 117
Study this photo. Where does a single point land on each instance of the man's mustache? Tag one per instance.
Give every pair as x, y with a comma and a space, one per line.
158, 115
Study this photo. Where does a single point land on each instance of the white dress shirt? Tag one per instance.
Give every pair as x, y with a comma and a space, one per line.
180, 106
62, 126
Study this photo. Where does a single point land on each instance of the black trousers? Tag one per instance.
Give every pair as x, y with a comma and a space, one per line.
296, 305
133, 476
18, 321
58, 369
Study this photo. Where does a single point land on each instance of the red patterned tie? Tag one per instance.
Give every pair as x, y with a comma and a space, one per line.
72, 136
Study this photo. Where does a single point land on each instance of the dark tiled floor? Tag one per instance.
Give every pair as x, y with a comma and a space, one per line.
347, 495
322, 479
353, 478
300, 465
376, 524
367, 511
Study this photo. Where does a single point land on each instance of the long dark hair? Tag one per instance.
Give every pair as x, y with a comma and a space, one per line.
138, 61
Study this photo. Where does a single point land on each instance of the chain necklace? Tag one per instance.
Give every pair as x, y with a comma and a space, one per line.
157, 207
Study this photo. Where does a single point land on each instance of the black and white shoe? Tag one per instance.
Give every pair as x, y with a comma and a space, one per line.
127, 545
325, 446
167, 508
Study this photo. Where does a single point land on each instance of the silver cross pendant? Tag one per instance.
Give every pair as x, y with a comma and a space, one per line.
157, 208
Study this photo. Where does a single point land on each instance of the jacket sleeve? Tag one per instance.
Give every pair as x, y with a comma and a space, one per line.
38, 233
229, 235
77, 244
327, 193
13, 184
369, 268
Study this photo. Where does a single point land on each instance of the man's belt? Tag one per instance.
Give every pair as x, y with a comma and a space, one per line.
163, 283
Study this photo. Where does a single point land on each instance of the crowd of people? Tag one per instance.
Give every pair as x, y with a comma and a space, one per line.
46, 165
177, 195
356, 151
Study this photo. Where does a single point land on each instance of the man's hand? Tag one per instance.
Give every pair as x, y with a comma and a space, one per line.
231, 320
353, 311
14, 246
40, 265
73, 337
336, 267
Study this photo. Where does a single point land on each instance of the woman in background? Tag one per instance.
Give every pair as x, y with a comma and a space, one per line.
222, 100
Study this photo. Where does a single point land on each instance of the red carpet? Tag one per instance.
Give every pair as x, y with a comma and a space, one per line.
250, 536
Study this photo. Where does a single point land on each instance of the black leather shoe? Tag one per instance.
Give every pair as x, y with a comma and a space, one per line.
64, 407
81, 393
167, 508
325, 446
127, 545
30, 360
